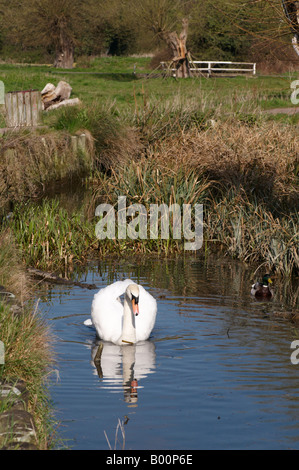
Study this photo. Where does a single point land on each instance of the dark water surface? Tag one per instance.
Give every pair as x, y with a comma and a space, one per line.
215, 374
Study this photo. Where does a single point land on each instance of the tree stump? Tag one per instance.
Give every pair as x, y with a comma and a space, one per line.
177, 45
53, 95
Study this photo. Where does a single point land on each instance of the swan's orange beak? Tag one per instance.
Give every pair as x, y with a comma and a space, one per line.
135, 306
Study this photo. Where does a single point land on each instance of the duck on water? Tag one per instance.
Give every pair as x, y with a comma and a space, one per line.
262, 289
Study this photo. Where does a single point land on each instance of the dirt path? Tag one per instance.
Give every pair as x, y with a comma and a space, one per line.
289, 111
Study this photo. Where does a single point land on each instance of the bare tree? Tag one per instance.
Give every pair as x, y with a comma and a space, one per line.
55, 25
159, 15
52, 24
163, 18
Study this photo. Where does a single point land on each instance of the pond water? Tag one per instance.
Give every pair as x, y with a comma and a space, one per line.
216, 372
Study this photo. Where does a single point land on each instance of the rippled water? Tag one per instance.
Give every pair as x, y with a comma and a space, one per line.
215, 374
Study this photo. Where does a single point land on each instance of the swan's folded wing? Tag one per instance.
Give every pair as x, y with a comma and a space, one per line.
147, 314
115, 290
147, 300
107, 311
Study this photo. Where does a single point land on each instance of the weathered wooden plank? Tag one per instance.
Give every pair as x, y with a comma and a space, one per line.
23, 108
14, 109
82, 142
7, 103
28, 114
35, 108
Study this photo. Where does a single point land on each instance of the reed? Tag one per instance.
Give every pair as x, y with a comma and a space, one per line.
245, 175
117, 441
249, 232
12, 272
151, 181
31, 161
48, 237
260, 160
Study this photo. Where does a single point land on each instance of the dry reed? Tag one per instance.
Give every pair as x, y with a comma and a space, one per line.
245, 175
262, 160
30, 161
12, 272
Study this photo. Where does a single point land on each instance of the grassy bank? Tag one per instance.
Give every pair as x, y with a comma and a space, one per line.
27, 357
27, 342
32, 161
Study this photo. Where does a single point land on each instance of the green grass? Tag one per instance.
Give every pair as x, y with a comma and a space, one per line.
117, 84
114, 64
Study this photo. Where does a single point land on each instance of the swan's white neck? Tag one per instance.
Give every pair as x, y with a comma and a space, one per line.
129, 329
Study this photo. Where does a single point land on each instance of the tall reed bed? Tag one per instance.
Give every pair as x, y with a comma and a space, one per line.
249, 231
148, 181
245, 175
260, 160
48, 237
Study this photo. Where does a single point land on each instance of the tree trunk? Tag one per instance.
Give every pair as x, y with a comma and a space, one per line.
64, 52
177, 44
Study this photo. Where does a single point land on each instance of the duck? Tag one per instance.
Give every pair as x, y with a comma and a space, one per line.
123, 323
262, 289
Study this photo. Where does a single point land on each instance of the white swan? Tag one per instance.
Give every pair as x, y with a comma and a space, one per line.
123, 324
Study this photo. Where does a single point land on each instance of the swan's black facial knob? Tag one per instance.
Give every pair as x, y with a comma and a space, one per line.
135, 301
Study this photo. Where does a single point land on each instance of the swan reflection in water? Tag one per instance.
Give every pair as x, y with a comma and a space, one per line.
123, 367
